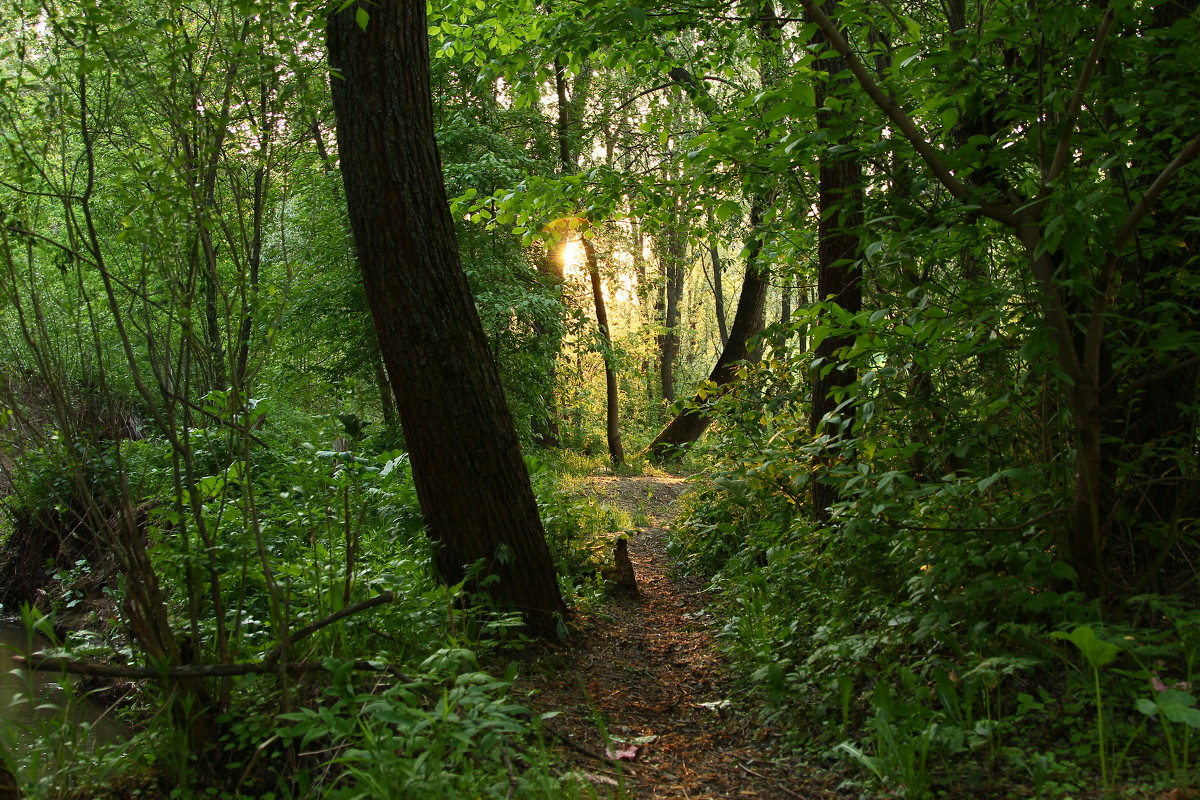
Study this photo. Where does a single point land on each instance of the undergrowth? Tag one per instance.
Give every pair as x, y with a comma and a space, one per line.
395, 704
923, 629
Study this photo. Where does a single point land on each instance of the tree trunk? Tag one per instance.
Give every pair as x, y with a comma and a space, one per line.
691, 423
644, 288
840, 205
668, 341
467, 466
613, 417
718, 293
387, 398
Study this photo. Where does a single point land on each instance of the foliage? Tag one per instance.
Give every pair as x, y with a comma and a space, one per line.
184, 338
450, 732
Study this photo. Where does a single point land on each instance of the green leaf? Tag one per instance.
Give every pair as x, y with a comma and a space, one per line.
1179, 706
361, 17
726, 210
1099, 653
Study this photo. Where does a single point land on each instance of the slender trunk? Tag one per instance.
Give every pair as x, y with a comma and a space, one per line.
1084, 543
261, 183
566, 154
690, 424
643, 294
718, 293
785, 317
387, 399
615, 452
668, 340
544, 426
319, 141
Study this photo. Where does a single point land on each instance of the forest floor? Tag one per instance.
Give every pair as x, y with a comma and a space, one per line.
647, 704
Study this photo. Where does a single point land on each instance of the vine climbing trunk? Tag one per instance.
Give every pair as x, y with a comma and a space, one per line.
470, 477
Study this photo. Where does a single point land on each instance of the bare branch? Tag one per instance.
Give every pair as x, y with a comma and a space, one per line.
640, 95
70, 251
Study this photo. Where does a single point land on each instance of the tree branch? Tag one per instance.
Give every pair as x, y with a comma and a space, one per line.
1145, 381
1085, 77
994, 529
1139, 211
640, 95
929, 154
272, 658
1109, 271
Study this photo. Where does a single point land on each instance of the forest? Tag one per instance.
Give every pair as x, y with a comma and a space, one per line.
599, 399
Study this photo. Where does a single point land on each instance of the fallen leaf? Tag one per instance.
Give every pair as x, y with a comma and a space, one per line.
603, 780
715, 705
616, 754
638, 740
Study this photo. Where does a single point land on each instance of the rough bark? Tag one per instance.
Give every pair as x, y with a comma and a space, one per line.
467, 467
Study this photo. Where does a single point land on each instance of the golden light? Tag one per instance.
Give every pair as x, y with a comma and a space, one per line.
574, 259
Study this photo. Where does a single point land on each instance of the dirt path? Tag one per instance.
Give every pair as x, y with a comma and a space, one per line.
645, 700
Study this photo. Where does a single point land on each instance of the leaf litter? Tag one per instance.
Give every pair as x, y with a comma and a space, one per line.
646, 703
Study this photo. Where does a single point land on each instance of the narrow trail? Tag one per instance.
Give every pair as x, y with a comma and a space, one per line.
645, 699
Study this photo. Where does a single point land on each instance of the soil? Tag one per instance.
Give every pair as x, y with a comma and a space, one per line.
647, 706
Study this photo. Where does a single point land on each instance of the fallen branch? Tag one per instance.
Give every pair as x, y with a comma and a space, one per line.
41, 663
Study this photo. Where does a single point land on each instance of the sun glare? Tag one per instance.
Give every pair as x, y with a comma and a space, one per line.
574, 260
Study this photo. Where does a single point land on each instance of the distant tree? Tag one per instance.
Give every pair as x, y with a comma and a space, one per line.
690, 424
470, 477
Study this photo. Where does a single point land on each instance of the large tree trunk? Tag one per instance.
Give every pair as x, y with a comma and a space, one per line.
840, 205
613, 417
691, 423
467, 466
